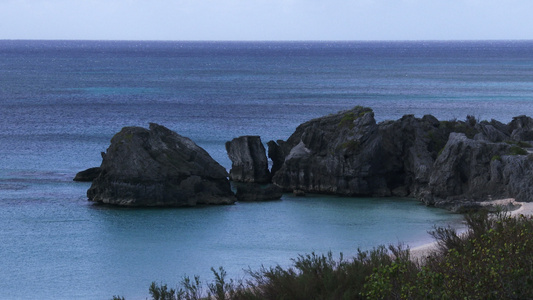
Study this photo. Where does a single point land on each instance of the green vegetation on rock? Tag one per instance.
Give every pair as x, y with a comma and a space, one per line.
516, 150
496, 157
347, 120
349, 117
350, 146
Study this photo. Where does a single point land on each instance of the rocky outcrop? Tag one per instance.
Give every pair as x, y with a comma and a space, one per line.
350, 154
249, 161
521, 128
452, 164
249, 170
158, 167
87, 175
443, 163
476, 170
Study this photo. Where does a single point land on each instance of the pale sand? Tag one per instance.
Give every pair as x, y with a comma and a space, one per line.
524, 208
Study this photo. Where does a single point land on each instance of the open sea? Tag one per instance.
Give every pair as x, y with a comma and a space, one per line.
62, 101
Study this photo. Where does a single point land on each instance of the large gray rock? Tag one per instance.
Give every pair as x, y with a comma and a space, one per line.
158, 167
325, 155
249, 161
463, 171
350, 154
443, 163
474, 171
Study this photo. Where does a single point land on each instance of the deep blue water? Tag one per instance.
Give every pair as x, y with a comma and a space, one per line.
62, 101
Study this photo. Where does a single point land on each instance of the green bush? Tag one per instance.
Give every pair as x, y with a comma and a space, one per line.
161, 292
493, 260
318, 277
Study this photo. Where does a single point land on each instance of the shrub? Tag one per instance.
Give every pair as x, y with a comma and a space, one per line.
347, 120
321, 277
161, 292
491, 261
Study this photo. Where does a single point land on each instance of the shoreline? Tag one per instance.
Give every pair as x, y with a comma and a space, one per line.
523, 208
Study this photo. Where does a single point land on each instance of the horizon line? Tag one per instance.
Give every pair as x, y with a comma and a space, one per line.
274, 41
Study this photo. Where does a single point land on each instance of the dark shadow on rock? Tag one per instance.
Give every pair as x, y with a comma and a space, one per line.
253, 192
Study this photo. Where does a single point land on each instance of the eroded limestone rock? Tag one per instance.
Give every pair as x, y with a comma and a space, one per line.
158, 167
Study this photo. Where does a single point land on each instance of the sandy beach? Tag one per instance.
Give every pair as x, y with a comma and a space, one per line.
521, 208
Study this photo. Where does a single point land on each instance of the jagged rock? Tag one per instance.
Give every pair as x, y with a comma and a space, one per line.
257, 192
158, 167
463, 171
325, 155
443, 163
470, 171
517, 176
87, 175
249, 161
350, 154
521, 128
491, 133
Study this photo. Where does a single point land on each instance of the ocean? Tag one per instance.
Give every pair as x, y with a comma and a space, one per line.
62, 101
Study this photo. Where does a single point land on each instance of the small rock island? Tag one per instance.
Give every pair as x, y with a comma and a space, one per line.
158, 167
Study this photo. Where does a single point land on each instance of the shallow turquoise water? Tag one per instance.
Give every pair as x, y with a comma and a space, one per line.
69, 248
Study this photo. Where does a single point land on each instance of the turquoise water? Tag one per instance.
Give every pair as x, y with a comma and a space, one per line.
61, 102
68, 248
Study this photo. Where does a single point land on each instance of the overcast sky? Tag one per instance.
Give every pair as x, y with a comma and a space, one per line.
266, 19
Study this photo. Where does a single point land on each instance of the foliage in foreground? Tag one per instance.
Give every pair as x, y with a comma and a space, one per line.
492, 260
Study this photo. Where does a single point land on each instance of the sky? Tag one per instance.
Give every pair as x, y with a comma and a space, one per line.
245, 20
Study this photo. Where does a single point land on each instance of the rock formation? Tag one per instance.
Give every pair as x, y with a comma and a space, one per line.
349, 154
476, 170
158, 167
249, 170
452, 164
442, 163
249, 161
